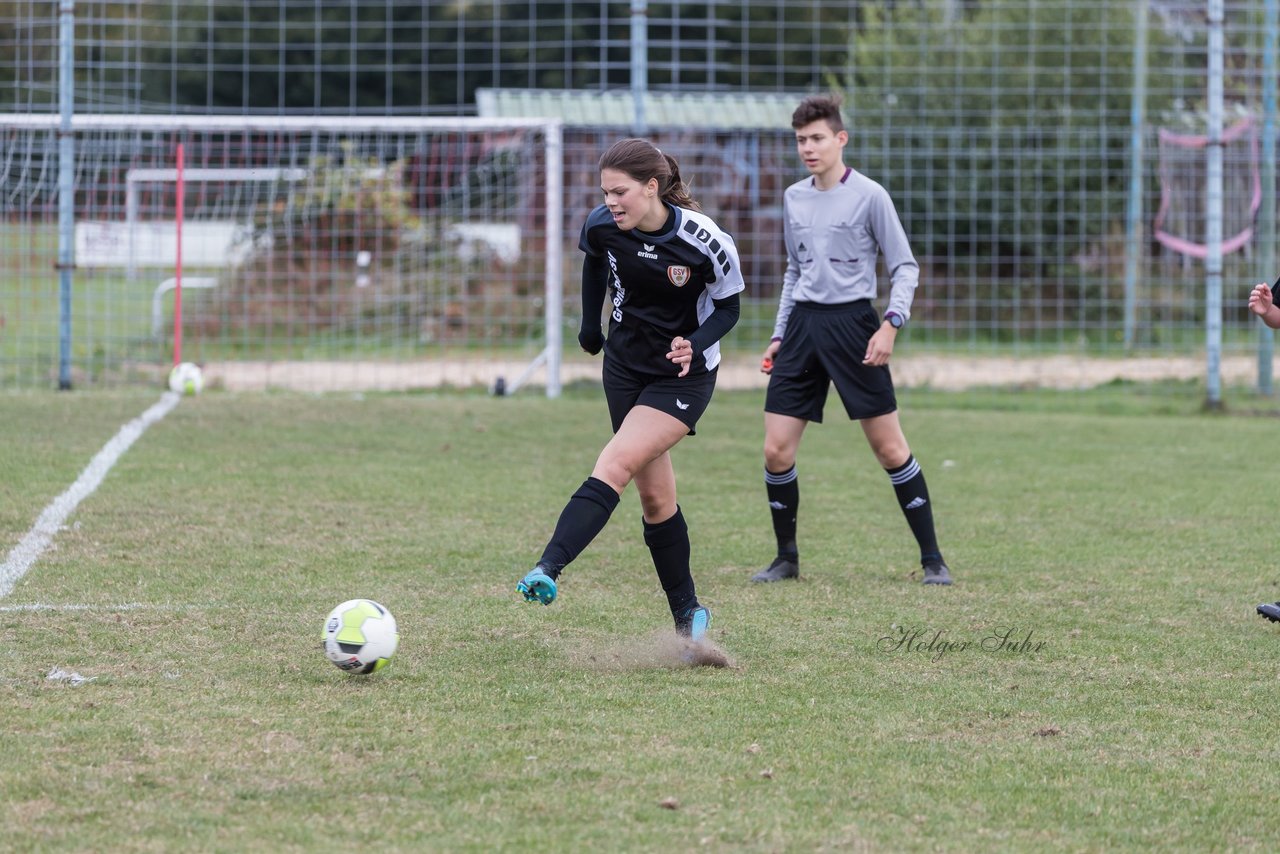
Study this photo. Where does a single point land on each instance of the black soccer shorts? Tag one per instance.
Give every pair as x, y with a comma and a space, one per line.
684, 398
826, 344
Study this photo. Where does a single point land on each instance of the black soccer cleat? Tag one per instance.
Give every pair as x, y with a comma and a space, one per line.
1270, 610
780, 570
937, 573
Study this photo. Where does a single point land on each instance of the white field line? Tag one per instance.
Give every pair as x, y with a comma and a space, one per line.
29, 549
84, 606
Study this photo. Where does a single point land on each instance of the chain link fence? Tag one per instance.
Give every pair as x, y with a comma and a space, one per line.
1017, 138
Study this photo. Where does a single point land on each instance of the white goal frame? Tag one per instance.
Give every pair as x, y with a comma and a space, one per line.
549, 358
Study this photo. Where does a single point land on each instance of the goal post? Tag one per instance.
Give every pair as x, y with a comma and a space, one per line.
333, 253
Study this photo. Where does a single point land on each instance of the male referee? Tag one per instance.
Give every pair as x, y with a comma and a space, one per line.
837, 222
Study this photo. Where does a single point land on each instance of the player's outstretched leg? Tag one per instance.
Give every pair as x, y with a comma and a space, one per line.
582, 518
1270, 610
693, 622
538, 586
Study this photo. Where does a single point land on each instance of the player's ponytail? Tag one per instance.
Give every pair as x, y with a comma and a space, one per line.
642, 160
677, 191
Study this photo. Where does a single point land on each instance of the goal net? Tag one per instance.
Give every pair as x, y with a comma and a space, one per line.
317, 253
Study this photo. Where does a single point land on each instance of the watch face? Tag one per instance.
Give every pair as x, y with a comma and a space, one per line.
895, 320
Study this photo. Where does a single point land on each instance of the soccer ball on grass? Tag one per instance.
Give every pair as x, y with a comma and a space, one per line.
360, 636
186, 378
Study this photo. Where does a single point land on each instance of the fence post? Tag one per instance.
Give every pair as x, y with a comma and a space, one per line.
1133, 225
639, 64
1213, 213
66, 184
1267, 218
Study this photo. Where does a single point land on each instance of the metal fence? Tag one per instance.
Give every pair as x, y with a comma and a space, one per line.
1047, 158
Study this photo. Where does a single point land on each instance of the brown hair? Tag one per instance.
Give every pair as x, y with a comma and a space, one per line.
642, 160
816, 108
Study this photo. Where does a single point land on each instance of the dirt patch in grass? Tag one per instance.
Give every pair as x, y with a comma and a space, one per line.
663, 649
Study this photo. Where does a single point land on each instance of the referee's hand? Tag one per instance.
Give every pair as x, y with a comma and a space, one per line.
770, 352
880, 347
681, 353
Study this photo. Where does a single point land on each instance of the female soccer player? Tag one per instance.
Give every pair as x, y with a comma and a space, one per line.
674, 279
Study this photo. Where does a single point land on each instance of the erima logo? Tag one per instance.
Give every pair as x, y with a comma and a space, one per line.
777, 505
647, 252
680, 405
647, 247
915, 502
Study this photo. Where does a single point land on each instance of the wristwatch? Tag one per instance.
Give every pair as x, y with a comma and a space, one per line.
895, 320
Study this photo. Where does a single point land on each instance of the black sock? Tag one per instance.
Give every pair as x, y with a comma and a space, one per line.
913, 498
783, 490
581, 519
668, 543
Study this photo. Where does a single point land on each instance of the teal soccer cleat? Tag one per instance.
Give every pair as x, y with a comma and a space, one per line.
693, 623
537, 586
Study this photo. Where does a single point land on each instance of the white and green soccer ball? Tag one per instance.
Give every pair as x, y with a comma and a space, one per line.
186, 378
360, 636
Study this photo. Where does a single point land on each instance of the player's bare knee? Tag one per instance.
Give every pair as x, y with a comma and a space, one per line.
890, 450
657, 508
616, 473
891, 455
778, 457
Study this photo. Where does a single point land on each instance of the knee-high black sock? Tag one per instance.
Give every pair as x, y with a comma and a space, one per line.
581, 519
668, 543
783, 490
913, 498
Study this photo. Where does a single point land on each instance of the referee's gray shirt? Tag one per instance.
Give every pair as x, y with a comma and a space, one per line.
833, 237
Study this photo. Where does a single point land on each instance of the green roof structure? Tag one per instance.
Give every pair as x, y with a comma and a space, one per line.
694, 110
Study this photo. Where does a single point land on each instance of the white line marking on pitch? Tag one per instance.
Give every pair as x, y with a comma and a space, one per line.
29, 549
41, 606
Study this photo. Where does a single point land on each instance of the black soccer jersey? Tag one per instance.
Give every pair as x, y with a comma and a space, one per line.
662, 285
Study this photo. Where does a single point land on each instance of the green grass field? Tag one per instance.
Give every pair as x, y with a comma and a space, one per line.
1125, 540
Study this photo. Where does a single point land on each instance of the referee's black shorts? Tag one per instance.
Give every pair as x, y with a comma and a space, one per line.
826, 344
683, 398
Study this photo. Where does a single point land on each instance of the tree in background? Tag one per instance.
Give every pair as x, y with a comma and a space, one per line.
107, 55
402, 56
1002, 127
354, 57
941, 99
1013, 117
